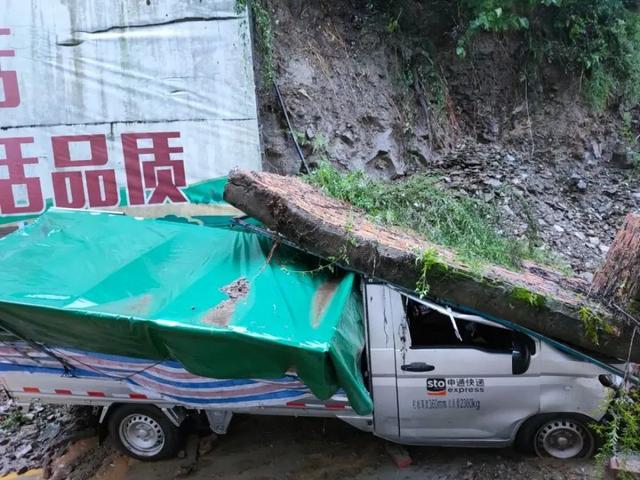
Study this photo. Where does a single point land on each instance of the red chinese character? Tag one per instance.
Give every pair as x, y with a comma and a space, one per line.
69, 185
14, 164
162, 175
9, 79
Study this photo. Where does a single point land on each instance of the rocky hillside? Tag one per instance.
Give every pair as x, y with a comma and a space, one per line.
525, 142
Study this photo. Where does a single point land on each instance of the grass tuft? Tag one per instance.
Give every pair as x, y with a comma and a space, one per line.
465, 225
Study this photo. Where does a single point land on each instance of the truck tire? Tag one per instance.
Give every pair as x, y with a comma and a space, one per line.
144, 432
557, 435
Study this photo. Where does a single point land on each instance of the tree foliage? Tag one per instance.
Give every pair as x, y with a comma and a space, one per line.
596, 40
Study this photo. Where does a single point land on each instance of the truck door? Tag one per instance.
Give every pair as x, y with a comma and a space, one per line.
474, 383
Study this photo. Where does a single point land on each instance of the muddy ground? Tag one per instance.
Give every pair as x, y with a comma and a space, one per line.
269, 448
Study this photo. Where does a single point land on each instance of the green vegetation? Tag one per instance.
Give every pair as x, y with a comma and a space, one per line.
593, 324
494, 16
594, 40
627, 134
621, 433
427, 262
264, 38
524, 295
467, 226
14, 419
317, 144
421, 77
626, 129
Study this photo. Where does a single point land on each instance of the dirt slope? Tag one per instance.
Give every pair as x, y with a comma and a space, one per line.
528, 145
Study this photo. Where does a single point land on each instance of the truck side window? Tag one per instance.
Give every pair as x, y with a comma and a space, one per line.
431, 329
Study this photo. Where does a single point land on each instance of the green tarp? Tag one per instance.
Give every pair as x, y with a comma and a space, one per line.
224, 303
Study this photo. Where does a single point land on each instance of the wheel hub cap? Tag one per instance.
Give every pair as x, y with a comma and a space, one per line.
142, 435
561, 439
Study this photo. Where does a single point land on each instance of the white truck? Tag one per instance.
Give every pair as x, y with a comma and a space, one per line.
436, 376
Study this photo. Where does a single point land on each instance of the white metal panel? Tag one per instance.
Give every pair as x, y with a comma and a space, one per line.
381, 308
28, 387
98, 61
71, 68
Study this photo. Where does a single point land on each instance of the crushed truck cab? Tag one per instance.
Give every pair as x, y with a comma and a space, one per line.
443, 378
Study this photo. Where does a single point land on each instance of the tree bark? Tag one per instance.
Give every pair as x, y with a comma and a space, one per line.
535, 297
618, 280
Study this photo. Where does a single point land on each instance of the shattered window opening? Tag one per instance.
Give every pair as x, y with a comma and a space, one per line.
431, 329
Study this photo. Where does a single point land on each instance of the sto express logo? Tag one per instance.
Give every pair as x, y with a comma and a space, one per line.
436, 387
439, 387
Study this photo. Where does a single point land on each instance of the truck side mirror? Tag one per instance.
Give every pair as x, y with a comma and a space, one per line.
520, 356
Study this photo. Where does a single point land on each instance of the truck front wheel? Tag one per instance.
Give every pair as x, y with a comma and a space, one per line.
144, 432
559, 435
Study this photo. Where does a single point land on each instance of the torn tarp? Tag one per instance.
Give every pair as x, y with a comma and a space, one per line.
223, 303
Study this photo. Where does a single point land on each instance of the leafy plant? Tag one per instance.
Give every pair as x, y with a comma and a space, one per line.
317, 144
301, 137
596, 41
494, 16
427, 262
593, 324
620, 433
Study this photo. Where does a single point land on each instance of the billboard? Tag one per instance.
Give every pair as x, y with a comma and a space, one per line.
138, 105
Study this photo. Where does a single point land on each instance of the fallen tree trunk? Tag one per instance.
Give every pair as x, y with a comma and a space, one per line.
536, 297
618, 280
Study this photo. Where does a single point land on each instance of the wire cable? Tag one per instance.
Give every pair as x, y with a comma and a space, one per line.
289, 126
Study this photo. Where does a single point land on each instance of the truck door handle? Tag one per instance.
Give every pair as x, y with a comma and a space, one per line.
417, 367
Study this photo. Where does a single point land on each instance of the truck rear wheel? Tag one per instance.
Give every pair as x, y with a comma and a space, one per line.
144, 432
